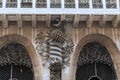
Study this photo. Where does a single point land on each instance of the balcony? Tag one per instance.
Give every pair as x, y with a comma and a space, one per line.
59, 7
26, 4
97, 5
41, 4
111, 5
83, 5
70, 4
56, 5
11, 4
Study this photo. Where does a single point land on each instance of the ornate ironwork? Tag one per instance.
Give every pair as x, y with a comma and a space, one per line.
54, 46
111, 4
95, 63
83, 3
14, 53
55, 4
26, 4
94, 52
55, 73
55, 49
11, 4
41, 4
97, 4
69, 4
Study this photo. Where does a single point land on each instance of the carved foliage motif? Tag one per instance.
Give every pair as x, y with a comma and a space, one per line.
14, 53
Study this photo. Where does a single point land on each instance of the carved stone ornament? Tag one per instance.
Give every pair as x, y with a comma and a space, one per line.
54, 46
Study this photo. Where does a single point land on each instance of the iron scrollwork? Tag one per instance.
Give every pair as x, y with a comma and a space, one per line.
94, 52
55, 48
14, 53
94, 60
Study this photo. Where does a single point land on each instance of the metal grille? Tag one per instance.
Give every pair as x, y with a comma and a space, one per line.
95, 63
55, 4
19, 72
11, 4
97, 4
69, 4
15, 63
105, 72
88, 70
41, 4
84, 72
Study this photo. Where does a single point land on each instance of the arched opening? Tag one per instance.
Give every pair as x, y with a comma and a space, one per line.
15, 63
95, 63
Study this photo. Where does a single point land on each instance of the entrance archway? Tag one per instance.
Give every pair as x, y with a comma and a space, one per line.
103, 39
94, 60
29, 47
15, 63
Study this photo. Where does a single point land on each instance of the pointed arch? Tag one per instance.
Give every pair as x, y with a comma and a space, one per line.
106, 41
30, 48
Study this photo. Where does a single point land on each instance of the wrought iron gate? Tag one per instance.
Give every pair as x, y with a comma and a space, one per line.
95, 63
15, 63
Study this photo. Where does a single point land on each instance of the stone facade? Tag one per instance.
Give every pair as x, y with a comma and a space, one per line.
109, 36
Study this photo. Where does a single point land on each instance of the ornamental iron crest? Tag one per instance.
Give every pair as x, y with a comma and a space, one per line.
55, 48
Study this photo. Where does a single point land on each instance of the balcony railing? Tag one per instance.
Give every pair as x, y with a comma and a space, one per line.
83, 5
97, 5
69, 4
55, 5
11, 4
111, 5
59, 6
41, 4
26, 4
0, 4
